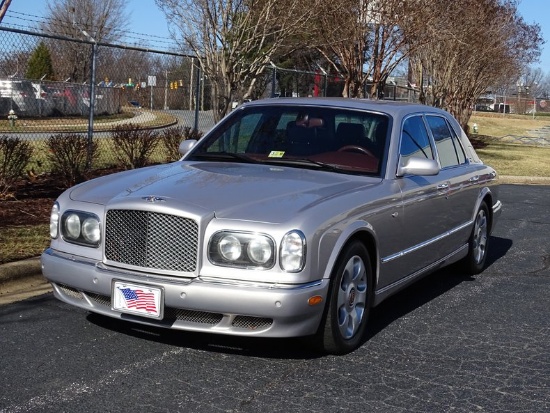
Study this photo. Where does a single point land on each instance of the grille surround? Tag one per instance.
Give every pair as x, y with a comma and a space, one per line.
151, 240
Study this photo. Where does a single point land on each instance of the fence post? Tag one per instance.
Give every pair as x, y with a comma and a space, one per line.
197, 97
92, 106
273, 80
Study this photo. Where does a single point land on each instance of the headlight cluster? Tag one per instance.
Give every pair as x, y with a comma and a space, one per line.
77, 227
247, 249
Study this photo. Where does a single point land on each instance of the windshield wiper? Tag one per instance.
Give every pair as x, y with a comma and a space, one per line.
222, 156
305, 162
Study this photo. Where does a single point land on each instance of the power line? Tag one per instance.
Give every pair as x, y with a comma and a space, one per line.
30, 21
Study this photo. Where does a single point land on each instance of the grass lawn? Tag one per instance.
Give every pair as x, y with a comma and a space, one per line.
517, 160
18, 243
500, 125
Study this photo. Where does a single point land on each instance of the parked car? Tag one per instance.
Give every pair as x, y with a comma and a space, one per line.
68, 98
17, 95
291, 217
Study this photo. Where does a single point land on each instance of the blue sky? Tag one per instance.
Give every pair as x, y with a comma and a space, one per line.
145, 18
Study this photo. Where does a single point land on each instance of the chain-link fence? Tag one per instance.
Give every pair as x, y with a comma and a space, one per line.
124, 85
90, 90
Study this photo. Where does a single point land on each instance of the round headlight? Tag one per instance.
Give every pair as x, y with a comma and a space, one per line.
72, 226
54, 221
259, 250
230, 248
90, 230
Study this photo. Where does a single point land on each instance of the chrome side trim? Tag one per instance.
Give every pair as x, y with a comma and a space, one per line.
249, 284
425, 243
410, 277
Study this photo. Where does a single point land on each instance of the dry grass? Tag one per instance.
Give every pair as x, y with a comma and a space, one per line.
500, 125
18, 243
517, 160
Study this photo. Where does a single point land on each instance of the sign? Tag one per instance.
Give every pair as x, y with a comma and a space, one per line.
152, 80
542, 103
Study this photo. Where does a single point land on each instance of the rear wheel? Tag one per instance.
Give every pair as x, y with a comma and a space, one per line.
350, 299
478, 243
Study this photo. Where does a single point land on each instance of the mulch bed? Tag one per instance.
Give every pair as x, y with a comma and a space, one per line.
31, 200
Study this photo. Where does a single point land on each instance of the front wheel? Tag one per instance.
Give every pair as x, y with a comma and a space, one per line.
350, 299
478, 243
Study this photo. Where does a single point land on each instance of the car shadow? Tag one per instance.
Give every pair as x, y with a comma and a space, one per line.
429, 288
395, 307
274, 348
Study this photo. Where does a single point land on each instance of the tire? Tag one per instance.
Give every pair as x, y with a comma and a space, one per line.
478, 244
350, 298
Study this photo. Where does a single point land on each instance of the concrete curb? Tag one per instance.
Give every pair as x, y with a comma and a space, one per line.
20, 269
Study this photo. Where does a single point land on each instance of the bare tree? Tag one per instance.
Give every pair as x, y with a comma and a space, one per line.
366, 40
234, 40
474, 45
102, 20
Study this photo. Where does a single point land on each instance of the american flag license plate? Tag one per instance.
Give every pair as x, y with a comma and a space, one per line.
142, 300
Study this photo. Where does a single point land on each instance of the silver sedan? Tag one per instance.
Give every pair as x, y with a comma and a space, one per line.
291, 217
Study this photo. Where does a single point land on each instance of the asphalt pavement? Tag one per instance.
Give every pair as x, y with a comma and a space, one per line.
449, 343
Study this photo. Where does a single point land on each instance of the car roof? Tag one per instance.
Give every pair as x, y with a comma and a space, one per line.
393, 108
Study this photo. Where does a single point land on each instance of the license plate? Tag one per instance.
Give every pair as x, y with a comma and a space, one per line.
142, 300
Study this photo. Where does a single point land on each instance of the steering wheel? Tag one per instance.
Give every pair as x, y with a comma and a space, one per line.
356, 148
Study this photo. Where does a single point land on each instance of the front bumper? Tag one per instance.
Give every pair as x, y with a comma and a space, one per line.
232, 308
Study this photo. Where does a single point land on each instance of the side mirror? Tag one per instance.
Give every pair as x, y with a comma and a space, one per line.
417, 166
186, 146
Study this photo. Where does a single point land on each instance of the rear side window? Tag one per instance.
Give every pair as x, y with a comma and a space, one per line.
448, 147
414, 139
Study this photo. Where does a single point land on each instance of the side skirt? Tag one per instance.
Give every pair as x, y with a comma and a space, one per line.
383, 293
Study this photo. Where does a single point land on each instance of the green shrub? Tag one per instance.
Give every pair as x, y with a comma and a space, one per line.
133, 146
70, 156
172, 137
15, 155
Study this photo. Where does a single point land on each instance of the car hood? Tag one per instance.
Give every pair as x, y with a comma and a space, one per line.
228, 190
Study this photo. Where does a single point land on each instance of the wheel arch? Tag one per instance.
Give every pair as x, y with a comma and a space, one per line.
362, 232
485, 196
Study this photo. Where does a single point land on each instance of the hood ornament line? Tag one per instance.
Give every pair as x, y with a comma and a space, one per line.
152, 199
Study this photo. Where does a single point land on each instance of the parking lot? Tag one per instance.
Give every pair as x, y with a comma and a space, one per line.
450, 343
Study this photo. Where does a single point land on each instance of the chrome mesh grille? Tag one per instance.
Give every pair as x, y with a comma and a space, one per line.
191, 316
151, 240
71, 292
251, 323
100, 299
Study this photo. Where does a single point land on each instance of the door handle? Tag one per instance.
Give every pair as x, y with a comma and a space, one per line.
443, 188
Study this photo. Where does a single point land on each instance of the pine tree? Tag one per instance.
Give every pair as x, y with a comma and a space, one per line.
40, 63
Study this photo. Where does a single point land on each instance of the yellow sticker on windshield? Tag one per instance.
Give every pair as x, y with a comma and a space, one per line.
275, 154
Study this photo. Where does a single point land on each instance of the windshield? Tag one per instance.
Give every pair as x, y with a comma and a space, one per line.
300, 136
